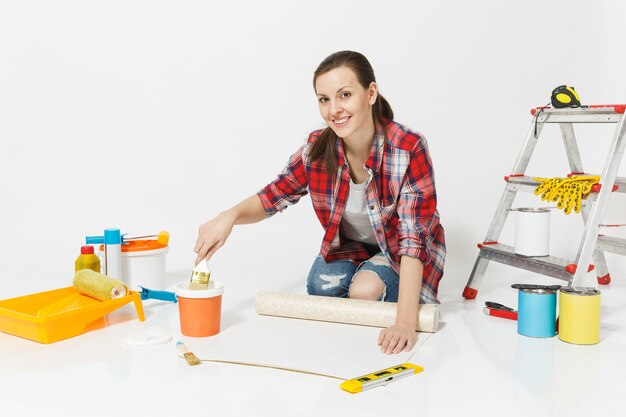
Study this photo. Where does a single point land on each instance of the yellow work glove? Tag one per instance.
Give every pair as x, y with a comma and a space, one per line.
547, 187
568, 193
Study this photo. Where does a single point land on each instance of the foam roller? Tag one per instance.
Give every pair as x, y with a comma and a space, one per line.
99, 286
342, 310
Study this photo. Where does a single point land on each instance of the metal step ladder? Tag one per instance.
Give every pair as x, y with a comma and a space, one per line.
592, 245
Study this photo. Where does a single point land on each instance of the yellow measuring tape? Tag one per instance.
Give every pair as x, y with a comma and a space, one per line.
568, 193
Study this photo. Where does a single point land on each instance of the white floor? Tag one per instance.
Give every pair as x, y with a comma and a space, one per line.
474, 365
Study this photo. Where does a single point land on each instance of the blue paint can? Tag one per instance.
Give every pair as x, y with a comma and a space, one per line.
536, 312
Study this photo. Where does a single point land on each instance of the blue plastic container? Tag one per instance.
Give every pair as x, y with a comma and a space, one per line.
536, 313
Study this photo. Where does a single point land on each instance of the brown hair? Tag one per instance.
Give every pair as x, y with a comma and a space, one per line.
324, 148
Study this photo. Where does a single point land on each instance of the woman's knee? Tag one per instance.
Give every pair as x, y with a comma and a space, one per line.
366, 285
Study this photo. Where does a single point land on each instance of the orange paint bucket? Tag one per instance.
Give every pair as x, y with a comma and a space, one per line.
200, 310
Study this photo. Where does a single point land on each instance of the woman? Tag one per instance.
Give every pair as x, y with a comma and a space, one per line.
372, 188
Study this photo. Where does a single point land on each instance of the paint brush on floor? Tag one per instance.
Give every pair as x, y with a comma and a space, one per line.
189, 356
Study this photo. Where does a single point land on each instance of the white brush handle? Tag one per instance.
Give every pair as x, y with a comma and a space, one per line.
182, 347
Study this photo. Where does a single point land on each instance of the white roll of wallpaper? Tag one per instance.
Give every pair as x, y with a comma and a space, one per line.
342, 310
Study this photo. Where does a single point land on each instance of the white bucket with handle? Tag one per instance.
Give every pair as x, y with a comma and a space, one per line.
532, 231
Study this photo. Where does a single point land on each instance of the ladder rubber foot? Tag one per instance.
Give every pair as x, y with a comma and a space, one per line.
604, 280
469, 293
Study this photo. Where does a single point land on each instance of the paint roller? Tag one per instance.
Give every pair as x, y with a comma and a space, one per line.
342, 310
90, 285
163, 237
99, 286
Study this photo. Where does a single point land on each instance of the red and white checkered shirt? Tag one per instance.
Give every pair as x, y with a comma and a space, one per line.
400, 194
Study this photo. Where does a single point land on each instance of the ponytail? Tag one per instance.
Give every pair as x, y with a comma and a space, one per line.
382, 109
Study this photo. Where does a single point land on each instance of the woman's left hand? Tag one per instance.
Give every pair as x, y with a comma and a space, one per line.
397, 338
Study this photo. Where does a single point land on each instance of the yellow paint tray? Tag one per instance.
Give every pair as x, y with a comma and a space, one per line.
50, 316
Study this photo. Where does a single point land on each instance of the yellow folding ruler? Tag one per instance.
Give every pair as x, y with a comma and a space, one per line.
382, 377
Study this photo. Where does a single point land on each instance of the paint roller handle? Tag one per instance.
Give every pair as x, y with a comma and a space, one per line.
94, 240
163, 237
147, 293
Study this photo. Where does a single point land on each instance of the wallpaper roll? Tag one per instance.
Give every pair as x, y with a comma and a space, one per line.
99, 286
342, 310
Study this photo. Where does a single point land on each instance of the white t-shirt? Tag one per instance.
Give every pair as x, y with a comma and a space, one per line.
355, 223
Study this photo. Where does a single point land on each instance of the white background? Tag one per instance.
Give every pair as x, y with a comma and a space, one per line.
153, 115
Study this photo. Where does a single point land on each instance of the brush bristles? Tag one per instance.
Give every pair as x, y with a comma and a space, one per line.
198, 286
199, 280
192, 359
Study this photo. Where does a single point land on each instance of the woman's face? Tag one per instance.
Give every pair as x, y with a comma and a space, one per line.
344, 103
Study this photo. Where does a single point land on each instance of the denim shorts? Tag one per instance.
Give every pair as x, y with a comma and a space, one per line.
333, 279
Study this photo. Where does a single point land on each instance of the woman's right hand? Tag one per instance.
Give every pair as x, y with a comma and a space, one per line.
212, 235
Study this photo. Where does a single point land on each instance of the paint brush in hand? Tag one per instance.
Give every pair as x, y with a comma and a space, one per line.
189, 356
200, 277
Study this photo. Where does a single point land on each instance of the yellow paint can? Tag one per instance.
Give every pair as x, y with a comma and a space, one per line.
579, 315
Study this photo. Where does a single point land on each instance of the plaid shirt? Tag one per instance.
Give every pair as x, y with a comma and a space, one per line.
400, 193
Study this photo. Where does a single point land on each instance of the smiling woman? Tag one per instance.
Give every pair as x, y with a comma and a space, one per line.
371, 183
358, 97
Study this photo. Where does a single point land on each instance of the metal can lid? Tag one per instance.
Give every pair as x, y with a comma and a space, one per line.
533, 210
539, 291
580, 290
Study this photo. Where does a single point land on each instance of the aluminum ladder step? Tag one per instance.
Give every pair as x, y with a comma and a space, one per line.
551, 266
593, 114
